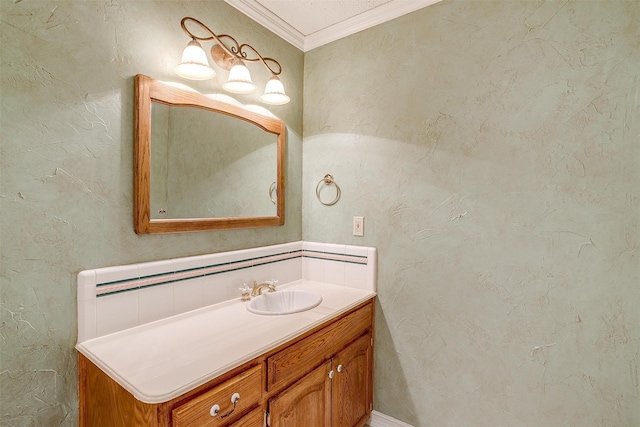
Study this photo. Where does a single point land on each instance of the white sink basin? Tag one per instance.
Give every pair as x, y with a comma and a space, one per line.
284, 302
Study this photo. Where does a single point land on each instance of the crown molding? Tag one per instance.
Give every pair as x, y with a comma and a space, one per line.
269, 20
368, 19
373, 17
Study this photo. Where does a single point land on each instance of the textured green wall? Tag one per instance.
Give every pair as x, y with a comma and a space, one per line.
67, 171
493, 149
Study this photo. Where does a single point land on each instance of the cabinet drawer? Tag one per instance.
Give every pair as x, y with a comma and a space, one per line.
254, 418
303, 356
196, 411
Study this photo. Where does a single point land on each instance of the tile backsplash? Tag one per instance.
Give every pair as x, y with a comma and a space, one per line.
111, 299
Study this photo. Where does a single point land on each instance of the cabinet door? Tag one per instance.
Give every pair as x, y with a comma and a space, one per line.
306, 403
352, 384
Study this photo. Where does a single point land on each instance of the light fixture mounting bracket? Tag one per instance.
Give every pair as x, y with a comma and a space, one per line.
227, 56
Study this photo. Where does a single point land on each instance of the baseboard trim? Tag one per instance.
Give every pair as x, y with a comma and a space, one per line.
381, 420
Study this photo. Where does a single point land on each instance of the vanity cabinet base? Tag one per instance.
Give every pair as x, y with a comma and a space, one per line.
327, 371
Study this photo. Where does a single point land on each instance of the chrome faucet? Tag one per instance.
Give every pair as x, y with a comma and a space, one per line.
257, 288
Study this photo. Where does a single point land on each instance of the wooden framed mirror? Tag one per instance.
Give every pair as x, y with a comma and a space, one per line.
202, 164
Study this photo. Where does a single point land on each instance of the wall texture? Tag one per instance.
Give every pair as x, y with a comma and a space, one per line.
493, 148
67, 171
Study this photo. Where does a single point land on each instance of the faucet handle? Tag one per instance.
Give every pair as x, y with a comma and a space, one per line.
245, 290
272, 285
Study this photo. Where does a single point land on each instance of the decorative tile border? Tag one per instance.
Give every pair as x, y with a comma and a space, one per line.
354, 259
109, 288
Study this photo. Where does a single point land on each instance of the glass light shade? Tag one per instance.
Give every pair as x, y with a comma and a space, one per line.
194, 64
274, 92
239, 80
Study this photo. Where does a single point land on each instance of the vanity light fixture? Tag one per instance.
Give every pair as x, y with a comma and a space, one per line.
195, 65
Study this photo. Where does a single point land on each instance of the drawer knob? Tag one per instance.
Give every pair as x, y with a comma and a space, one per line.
215, 409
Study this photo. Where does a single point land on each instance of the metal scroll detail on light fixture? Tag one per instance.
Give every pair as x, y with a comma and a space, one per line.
195, 65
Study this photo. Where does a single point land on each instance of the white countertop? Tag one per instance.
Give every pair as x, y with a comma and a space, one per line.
161, 360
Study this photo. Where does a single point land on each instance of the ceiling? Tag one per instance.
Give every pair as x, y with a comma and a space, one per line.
308, 24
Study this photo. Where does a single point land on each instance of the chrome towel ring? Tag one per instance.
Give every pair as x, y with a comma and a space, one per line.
328, 180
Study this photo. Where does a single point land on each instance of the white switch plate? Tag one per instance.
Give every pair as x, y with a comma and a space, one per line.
358, 226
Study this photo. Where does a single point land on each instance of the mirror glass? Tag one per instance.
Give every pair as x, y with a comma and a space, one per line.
207, 165
202, 164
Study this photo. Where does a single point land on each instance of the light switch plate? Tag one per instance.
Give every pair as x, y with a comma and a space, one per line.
358, 226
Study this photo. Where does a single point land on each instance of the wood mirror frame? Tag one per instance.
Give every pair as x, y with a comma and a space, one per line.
148, 90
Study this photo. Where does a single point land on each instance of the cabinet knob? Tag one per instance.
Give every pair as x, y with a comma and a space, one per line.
215, 410
340, 368
331, 373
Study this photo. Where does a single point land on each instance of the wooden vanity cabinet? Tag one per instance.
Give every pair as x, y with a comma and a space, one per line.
323, 378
